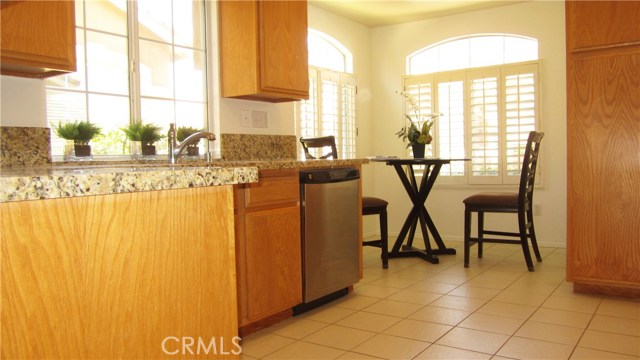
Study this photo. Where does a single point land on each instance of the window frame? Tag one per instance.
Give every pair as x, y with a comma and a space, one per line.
466, 75
134, 97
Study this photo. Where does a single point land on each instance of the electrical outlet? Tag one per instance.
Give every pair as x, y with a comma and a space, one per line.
537, 210
245, 119
260, 119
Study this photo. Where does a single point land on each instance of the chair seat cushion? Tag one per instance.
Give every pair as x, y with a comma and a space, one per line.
493, 199
373, 202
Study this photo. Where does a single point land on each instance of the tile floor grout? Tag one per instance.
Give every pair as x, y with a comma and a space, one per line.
511, 343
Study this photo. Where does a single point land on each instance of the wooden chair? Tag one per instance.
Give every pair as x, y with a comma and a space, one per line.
520, 203
370, 205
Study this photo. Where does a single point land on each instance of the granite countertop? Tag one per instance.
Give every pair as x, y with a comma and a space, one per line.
100, 178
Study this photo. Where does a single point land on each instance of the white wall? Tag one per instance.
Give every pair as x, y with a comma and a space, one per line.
22, 102
390, 46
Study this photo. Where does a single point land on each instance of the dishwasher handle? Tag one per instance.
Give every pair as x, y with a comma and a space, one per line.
324, 176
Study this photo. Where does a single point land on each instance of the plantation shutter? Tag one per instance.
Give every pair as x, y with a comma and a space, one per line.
521, 111
484, 127
450, 126
346, 139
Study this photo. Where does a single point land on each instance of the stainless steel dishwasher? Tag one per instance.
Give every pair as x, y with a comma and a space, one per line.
330, 232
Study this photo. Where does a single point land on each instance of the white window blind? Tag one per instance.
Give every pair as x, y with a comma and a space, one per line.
485, 115
330, 110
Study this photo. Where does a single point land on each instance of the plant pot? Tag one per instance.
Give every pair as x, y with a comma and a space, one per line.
418, 150
148, 150
82, 150
193, 150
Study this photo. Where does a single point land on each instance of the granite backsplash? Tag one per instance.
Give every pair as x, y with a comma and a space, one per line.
241, 147
24, 146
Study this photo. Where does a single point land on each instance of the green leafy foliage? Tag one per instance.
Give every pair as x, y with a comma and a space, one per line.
185, 131
147, 134
81, 132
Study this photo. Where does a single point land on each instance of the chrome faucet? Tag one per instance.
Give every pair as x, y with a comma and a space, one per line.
175, 150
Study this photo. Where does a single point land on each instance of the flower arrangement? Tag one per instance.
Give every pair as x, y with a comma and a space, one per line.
416, 131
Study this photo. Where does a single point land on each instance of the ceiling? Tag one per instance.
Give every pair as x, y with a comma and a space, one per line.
375, 13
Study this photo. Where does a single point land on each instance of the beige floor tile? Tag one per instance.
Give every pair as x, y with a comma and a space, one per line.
550, 332
303, 350
520, 348
247, 357
474, 292
507, 310
598, 340
297, 328
492, 323
414, 297
355, 302
620, 308
449, 279
459, 303
516, 296
436, 351
261, 344
440, 315
394, 282
418, 330
327, 314
415, 273
356, 356
615, 325
339, 337
489, 282
391, 347
590, 354
432, 287
393, 308
368, 321
474, 340
374, 291
562, 317
575, 303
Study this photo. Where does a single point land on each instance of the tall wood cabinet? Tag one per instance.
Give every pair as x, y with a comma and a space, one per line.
603, 146
268, 250
38, 38
263, 50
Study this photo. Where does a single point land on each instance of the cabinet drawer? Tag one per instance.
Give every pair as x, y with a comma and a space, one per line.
274, 187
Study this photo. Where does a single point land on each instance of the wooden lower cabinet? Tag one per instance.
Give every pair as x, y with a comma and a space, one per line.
119, 276
268, 248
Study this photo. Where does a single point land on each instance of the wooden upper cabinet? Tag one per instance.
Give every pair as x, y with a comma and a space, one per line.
594, 24
38, 38
263, 50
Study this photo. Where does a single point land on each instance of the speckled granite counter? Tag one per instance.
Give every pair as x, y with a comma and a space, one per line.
101, 178
52, 182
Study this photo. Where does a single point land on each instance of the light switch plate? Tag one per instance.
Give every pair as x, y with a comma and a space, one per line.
245, 120
260, 119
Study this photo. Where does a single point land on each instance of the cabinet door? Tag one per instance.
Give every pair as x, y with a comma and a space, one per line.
283, 47
273, 263
38, 38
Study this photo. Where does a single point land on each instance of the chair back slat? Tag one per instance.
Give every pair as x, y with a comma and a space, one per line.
320, 143
529, 165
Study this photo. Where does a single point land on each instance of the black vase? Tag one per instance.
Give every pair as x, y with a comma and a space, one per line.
82, 150
148, 150
418, 150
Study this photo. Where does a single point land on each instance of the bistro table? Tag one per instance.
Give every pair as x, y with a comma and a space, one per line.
418, 195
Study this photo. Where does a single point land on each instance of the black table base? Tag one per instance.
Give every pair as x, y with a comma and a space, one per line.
419, 214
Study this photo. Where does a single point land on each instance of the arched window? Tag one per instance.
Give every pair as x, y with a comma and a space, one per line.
485, 88
330, 109
472, 52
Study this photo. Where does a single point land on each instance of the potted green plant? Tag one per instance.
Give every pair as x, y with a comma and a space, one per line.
81, 133
146, 134
184, 132
417, 133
